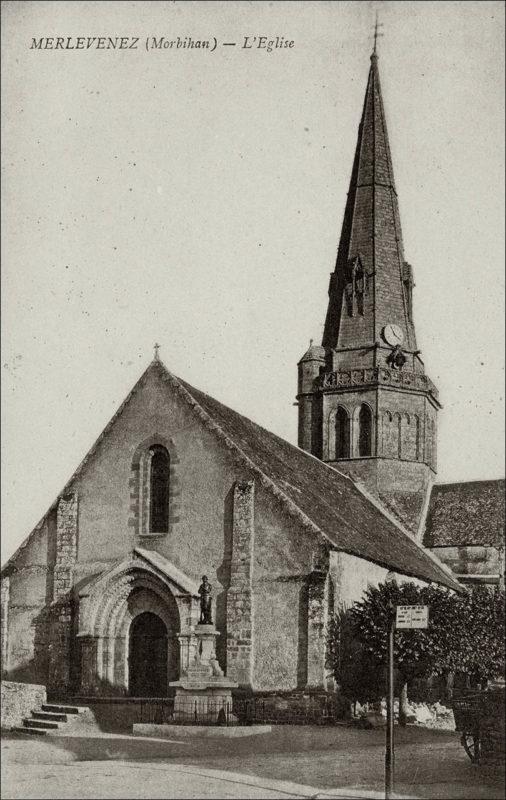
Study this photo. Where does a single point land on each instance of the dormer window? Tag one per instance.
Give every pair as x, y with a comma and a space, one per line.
356, 288
408, 283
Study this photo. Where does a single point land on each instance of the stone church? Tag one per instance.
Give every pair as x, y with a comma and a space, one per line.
102, 597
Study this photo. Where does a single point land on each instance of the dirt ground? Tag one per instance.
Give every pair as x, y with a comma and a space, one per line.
289, 761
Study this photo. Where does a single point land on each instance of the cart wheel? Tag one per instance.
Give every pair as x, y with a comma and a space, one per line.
471, 744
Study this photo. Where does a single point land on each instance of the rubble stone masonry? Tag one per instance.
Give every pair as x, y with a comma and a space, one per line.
61, 636
239, 596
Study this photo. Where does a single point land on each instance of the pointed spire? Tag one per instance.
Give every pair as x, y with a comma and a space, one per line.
371, 236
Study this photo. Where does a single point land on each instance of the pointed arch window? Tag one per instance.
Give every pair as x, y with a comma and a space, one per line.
159, 473
342, 433
364, 431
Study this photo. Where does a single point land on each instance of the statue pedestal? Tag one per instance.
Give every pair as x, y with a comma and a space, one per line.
203, 693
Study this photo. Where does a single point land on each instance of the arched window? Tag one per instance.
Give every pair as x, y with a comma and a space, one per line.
364, 431
342, 433
159, 490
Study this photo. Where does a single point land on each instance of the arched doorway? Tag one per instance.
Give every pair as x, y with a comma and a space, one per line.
147, 656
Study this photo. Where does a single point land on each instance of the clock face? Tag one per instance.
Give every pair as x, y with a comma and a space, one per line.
393, 335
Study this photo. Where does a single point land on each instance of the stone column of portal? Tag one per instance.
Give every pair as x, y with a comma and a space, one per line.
89, 665
240, 595
61, 633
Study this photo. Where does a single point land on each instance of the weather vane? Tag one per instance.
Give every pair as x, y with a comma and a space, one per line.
157, 347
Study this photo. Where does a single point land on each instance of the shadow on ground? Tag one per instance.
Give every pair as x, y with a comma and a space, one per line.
429, 763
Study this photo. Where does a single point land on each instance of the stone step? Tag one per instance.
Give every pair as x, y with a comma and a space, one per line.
59, 709
33, 731
54, 716
40, 723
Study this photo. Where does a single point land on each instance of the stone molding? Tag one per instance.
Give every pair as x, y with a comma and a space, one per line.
374, 376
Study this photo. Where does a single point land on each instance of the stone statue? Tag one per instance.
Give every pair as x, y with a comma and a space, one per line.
205, 589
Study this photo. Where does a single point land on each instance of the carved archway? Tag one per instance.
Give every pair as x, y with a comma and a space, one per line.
109, 607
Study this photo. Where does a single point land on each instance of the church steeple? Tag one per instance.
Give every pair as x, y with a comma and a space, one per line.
371, 284
365, 403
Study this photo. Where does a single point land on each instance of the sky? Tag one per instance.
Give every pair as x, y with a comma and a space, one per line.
194, 198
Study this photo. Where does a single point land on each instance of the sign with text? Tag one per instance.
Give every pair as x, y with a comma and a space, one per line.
412, 617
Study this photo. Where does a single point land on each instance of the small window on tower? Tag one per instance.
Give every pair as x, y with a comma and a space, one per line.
159, 490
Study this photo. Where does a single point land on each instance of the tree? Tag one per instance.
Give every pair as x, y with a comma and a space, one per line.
465, 634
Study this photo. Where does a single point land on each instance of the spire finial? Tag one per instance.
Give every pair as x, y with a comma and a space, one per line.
310, 342
156, 355
377, 34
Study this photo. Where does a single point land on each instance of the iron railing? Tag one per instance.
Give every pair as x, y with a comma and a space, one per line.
252, 711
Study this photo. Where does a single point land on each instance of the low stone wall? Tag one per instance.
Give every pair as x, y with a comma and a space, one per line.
295, 707
118, 715
19, 700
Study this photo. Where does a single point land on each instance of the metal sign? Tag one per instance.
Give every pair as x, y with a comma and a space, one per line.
412, 617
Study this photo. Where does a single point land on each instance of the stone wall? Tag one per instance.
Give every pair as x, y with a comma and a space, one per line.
352, 576
287, 638
18, 700
30, 576
485, 563
401, 486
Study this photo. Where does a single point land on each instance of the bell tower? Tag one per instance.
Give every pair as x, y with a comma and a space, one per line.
366, 405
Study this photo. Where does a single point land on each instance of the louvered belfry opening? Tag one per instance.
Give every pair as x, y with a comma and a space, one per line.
365, 431
342, 433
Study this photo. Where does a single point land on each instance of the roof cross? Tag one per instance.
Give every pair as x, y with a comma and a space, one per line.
157, 347
377, 25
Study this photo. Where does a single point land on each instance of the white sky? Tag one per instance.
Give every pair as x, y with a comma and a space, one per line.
196, 199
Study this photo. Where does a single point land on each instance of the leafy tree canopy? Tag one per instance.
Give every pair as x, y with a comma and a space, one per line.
465, 634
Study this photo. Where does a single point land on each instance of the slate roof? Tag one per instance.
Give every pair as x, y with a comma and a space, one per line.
322, 499
466, 514
329, 500
371, 223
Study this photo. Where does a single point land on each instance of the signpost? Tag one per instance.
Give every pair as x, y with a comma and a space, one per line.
412, 617
406, 617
